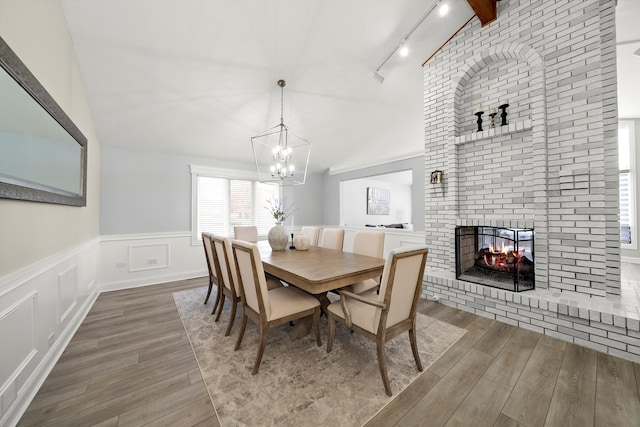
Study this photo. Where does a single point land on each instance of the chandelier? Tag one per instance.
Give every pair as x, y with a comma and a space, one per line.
281, 154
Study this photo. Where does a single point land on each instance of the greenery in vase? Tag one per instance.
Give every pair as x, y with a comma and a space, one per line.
279, 209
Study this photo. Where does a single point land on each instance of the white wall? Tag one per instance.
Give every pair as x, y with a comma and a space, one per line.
150, 192
353, 202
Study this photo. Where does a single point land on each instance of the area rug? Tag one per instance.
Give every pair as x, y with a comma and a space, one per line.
299, 383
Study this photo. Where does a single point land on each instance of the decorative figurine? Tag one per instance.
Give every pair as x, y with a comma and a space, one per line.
492, 114
479, 113
503, 115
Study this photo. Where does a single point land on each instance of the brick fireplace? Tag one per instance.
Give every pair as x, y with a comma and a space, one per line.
552, 168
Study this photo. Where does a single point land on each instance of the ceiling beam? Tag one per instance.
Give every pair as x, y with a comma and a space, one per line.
486, 10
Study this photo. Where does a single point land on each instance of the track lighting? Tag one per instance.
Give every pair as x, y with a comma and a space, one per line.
402, 47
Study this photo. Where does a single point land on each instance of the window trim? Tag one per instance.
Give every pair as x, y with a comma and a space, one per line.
212, 172
633, 216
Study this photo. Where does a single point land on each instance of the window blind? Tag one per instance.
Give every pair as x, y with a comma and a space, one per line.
224, 203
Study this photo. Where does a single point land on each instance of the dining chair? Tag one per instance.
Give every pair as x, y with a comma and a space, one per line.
228, 276
226, 272
213, 279
332, 238
312, 233
370, 243
268, 308
381, 317
248, 233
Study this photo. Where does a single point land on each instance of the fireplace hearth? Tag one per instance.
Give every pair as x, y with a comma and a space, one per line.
498, 257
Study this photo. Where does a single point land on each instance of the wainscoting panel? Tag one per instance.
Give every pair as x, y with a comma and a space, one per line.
67, 292
133, 260
17, 349
41, 307
151, 256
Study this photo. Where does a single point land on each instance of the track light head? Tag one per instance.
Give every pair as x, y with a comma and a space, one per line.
403, 49
444, 9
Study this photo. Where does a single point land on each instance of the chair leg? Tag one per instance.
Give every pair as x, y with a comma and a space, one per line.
242, 328
206, 300
222, 297
316, 325
263, 344
234, 306
383, 367
216, 305
332, 331
414, 348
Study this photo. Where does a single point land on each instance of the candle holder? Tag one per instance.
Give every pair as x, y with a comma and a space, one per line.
503, 115
479, 121
292, 245
492, 115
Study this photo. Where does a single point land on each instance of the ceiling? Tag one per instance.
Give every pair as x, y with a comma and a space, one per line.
198, 78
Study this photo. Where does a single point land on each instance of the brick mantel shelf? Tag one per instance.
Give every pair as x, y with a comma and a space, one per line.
514, 127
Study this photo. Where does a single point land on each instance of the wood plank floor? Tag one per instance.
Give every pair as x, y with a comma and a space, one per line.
130, 364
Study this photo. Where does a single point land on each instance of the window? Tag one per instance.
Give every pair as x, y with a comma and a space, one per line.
223, 199
626, 153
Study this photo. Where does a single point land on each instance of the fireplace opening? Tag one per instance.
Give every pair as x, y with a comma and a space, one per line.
498, 257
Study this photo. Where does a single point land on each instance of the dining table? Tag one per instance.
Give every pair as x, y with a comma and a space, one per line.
318, 270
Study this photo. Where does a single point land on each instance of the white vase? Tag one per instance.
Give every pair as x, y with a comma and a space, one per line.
278, 237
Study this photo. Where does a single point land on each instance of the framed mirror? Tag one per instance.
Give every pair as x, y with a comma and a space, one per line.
43, 155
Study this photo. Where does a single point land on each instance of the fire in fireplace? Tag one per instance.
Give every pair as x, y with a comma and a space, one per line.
498, 257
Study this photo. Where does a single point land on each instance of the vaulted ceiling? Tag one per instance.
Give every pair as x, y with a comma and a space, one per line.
198, 77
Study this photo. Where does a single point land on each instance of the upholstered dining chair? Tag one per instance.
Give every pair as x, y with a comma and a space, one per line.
382, 317
268, 308
227, 273
208, 253
312, 233
332, 238
248, 233
370, 243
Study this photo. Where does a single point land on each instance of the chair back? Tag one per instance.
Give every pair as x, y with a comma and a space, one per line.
370, 243
226, 263
253, 284
208, 252
332, 238
248, 233
401, 284
312, 233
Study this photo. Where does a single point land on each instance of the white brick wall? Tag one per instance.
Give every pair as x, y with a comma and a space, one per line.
554, 63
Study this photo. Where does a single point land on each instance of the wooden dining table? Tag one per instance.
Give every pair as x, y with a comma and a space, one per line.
318, 271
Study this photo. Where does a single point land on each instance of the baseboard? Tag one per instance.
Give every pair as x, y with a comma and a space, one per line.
146, 281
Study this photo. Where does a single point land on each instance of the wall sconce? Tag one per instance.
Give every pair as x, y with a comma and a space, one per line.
436, 177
